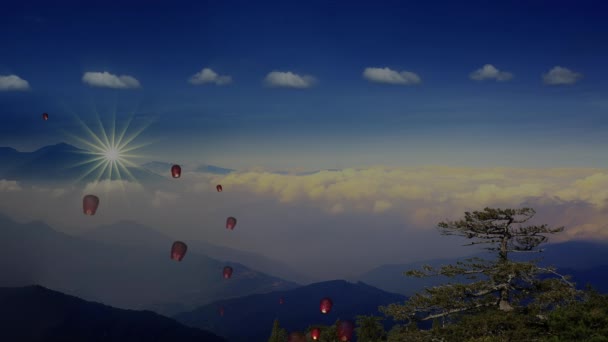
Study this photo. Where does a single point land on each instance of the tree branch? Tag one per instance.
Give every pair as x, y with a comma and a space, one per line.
449, 312
563, 278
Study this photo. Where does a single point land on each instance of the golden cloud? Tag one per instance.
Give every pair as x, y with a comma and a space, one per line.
427, 194
9, 185
106, 186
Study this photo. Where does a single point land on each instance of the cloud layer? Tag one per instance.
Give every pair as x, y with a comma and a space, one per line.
107, 80
13, 83
559, 75
209, 76
489, 72
289, 80
389, 215
386, 75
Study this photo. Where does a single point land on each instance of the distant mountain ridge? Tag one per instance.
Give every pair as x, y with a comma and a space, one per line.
134, 277
250, 318
56, 163
35, 313
583, 259
64, 162
132, 233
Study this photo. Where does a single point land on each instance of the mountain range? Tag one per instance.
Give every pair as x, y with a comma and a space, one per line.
35, 313
586, 262
63, 162
131, 233
124, 276
250, 318
57, 163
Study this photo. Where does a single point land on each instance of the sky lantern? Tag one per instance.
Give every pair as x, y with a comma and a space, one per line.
315, 333
219, 188
90, 204
176, 171
326, 305
346, 330
230, 223
45, 116
221, 311
178, 250
281, 300
227, 272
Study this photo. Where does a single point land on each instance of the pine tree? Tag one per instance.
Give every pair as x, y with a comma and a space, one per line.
278, 334
506, 285
369, 329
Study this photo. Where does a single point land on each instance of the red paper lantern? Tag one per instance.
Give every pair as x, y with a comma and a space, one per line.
90, 203
178, 250
326, 305
176, 171
230, 223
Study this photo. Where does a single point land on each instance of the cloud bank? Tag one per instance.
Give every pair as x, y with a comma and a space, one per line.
386, 75
489, 72
289, 80
13, 83
559, 76
107, 80
387, 214
209, 76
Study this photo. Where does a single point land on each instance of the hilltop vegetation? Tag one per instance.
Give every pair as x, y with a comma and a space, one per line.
505, 301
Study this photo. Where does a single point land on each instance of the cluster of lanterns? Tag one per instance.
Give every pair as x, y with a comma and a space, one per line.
345, 333
90, 203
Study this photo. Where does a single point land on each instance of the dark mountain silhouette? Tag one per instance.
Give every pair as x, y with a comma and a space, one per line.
34, 313
132, 233
56, 163
133, 277
250, 318
163, 168
583, 260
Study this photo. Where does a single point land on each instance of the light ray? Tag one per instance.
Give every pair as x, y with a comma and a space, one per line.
110, 154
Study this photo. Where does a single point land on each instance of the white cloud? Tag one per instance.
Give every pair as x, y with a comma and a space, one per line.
13, 82
54, 192
289, 80
386, 75
396, 208
107, 80
559, 75
161, 198
489, 72
209, 76
112, 186
9, 185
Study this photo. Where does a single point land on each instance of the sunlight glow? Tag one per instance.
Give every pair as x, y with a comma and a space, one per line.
111, 152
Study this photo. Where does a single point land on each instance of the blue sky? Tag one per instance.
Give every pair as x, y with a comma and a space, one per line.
465, 88
343, 119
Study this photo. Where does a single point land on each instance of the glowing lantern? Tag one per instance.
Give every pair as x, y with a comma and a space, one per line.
90, 204
230, 223
178, 250
176, 171
221, 311
45, 116
326, 305
281, 300
227, 272
315, 333
219, 188
346, 330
